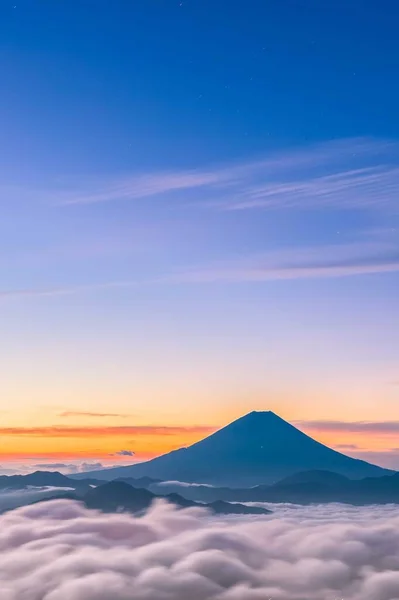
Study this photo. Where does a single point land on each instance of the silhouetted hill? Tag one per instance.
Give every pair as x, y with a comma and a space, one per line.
120, 496
141, 482
303, 488
226, 508
317, 476
42, 479
256, 449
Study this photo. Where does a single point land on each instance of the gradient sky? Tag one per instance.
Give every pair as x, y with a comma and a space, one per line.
199, 218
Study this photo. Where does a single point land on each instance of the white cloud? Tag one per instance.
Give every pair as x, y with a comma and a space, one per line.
61, 551
182, 484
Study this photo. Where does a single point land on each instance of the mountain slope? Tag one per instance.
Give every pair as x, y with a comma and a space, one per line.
255, 449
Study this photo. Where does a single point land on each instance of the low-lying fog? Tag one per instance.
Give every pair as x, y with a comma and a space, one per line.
58, 550
14, 498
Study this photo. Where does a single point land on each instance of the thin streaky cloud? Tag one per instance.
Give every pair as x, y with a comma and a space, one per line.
142, 430
333, 261
346, 447
376, 427
51, 466
64, 291
259, 274
75, 413
146, 186
304, 263
365, 168
364, 188
367, 188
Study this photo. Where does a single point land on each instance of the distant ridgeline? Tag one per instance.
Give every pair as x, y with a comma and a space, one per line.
136, 495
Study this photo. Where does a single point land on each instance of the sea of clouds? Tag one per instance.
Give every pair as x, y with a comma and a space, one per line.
58, 550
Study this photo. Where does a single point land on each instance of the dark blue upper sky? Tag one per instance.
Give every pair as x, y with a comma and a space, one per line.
199, 207
224, 78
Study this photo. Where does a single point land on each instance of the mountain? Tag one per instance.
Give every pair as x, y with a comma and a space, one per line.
117, 496
141, 482
320, 477
37, 479
308, 487
41, 479
259, 448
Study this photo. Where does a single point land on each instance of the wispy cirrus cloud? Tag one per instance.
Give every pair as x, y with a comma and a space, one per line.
144, 186
363, 188
341, 174
344, 174
350, 173
315, 262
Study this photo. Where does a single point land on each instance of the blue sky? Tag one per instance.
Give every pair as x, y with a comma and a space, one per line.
199, 214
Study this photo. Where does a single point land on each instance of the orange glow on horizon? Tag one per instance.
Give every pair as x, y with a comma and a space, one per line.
96, 442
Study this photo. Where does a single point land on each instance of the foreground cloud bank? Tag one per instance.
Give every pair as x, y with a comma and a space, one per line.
58, 550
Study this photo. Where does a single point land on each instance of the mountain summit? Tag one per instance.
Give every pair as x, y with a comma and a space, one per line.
257, 448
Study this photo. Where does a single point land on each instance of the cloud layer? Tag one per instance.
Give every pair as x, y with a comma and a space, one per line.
61, 551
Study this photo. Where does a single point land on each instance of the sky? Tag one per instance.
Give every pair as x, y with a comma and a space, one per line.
199, 218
